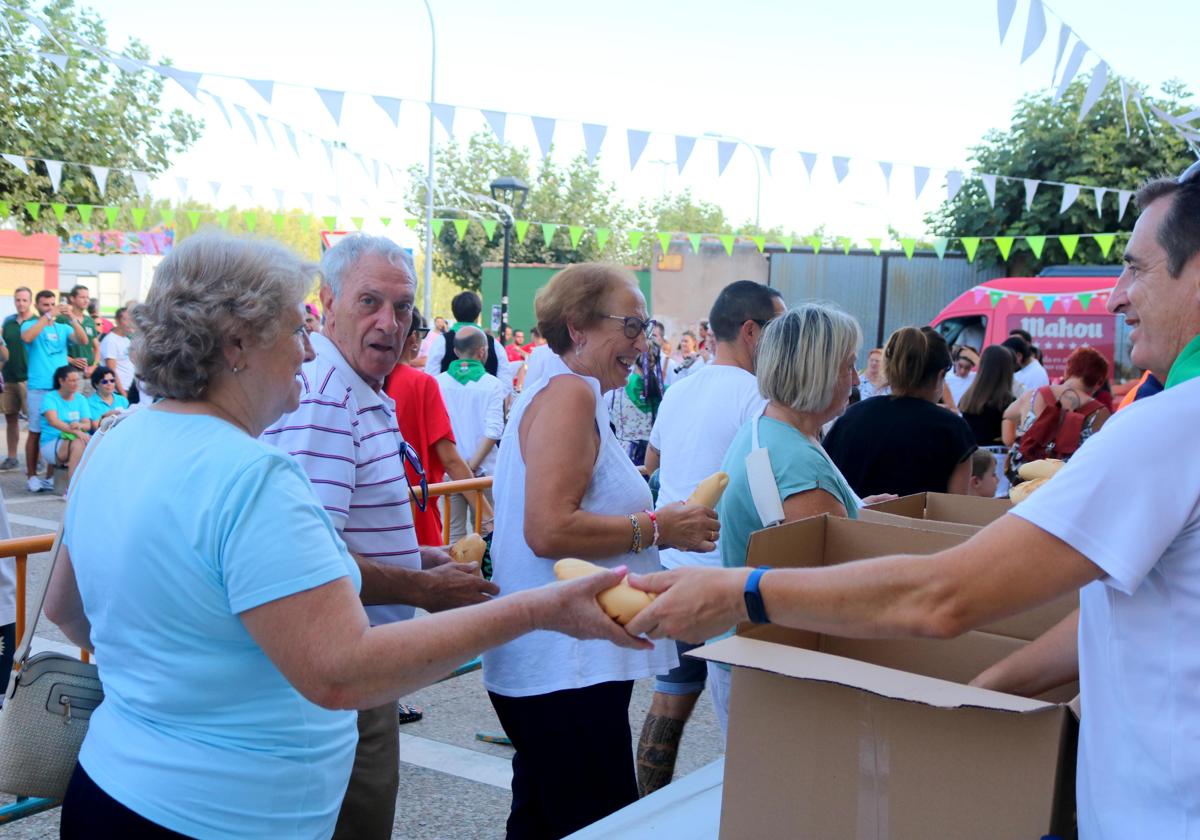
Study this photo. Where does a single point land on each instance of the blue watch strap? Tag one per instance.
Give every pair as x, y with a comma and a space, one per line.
754, 602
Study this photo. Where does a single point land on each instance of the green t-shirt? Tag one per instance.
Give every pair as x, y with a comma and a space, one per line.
83, 351
15, 369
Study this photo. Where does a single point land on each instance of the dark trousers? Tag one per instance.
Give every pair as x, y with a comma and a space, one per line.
574, 758
8, 641
369, 806
88, 813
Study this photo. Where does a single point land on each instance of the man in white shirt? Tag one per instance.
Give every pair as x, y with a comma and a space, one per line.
114, 350
696, 422
1030, 374
475, 402
466, 307
1121, 522
345, 435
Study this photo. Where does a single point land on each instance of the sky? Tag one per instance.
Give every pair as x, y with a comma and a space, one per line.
910, 83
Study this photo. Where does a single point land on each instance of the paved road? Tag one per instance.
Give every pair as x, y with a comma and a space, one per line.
452, 785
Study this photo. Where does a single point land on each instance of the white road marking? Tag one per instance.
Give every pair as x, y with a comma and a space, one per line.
457, 761
33, 521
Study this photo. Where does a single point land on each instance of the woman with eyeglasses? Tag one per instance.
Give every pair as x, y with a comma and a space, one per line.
905, 442
104, 399
565, 487
66, 421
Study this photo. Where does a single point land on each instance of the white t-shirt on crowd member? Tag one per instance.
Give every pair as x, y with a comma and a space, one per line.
697, 420
476, 411
1139, 745
676, 371
1032, 376
8, 578
116, 347
959, 384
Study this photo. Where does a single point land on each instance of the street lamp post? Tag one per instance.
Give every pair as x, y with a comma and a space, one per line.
754, 153
428, 303
509, 193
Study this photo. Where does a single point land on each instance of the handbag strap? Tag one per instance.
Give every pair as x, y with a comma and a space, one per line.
22, 649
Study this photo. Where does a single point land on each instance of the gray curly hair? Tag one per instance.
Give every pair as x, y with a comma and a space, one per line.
209, 290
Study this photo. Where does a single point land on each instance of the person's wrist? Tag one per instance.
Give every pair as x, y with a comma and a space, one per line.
737, 594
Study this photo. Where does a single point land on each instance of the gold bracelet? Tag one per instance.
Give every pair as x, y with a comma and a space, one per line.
637, 534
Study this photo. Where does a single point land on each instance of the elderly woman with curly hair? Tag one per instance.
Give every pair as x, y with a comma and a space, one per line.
227, 624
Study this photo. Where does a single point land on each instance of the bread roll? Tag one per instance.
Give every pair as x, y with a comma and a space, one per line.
1020, 492
470, 549
621, 602
708, 492
1045, 468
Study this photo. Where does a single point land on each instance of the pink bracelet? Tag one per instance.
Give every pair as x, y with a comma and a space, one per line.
653, 524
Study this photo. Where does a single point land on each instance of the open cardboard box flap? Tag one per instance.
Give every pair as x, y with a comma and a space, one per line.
946, 507
799, 663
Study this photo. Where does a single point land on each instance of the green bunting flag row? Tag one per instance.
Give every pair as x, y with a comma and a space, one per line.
564, 234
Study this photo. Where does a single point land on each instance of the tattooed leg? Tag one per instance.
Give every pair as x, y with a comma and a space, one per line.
658, 745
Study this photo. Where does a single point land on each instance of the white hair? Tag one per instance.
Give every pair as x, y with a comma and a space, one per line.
803, 352
345, 254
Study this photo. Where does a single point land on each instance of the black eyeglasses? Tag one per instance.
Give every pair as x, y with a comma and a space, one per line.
412, 459
1188, 174
108, 380
421, 331
635, 326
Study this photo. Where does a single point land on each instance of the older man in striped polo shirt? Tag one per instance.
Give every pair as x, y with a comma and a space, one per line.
345, 436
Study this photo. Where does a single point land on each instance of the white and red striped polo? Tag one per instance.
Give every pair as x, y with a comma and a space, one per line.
345, 436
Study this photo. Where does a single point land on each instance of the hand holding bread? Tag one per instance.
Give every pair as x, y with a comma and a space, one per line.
708, 492
470, 549
621, 602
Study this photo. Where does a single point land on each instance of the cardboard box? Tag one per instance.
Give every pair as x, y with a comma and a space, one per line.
970, 513
852, 738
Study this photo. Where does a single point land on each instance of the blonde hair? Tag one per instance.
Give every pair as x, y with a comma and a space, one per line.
575, 297
802, 354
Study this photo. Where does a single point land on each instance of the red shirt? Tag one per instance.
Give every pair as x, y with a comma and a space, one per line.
514, 353
423, 421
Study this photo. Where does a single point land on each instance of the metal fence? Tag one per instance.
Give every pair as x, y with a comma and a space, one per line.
884, 292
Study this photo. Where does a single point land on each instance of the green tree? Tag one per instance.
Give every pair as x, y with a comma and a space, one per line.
1047, 141
89, 112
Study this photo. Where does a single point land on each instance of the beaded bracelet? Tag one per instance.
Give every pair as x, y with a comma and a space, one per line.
637, 534
654, 523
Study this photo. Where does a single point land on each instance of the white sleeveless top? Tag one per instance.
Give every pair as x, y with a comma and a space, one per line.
543, 661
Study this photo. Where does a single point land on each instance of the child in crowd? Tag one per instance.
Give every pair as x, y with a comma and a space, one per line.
983, 480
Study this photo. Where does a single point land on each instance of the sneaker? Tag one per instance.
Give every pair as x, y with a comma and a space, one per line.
34, 484
8, 464
47, 484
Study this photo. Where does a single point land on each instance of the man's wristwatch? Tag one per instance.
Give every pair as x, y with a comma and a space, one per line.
755, 610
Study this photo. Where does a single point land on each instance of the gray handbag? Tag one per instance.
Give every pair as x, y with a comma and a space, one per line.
49, 701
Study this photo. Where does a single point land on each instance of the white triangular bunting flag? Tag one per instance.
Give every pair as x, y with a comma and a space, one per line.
885, 166
262, 118
1035, 29
220, 103
543, 129
810, 160
248, 120
333, 100
54, 170
100, 173
291, 136
841, 167
1064, 35
126, 64
141, 183
1031, 185
1094, 89
953, 183
593, 138
920, 176
328, 151
1123, 197
215, 186
308, 199
1004, 14
375, 172
989, 187
263, 87
1077, 53
182, 183
335, 201
1125, 105
1070, 193
249, 191
444, 114
186, 79
278, 197
725, 150
765, 151
58, 60
683, 151
1099, 193
17, 161
390, 106
496, 119
637, 144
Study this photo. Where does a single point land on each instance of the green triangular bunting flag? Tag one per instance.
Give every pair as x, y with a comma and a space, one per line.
846, 242
412, 223
1105, 241
60, 210
1070, 241
970, 245
139, 216
489, 228
727, 241
522, 227
85, 213
548, 231
306, 222
278, 219
909, 245
786, 242
635, 239
5, 209
33, 209
760, 241
111, 214
331, 222
939, 246
995, 297
250, 219
223, 219
1004, 243
694, 238
1036, 244
194, 218
167, 215
576, 233
437, 226
602, 235
664, 240
876, 245
814, 242
460, 228
385, 220
357, 221
1084, 300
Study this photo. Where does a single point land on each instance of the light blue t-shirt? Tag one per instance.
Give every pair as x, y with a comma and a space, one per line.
47, 353
99, 408
199, 731
68, 411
